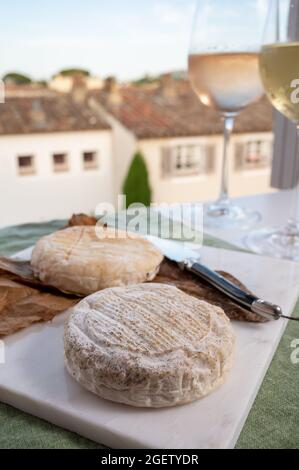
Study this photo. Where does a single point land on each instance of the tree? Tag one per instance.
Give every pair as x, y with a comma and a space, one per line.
146, 80
136, 186
17, 78
75, 71
42, 83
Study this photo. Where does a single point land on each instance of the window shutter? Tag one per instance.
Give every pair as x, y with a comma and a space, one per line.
210, 158
239, 155
166, 162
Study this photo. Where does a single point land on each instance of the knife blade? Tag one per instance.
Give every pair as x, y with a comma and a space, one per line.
189, 259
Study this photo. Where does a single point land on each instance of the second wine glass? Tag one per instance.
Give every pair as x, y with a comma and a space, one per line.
279, 64
224, 73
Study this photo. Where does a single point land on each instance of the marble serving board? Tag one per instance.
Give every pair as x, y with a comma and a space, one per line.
33, 377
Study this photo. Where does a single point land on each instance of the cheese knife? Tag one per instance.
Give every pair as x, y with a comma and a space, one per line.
189, 259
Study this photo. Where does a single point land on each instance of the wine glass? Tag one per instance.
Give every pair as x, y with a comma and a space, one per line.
279, 67
224, 73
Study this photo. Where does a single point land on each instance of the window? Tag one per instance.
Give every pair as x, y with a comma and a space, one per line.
26, 165
60, 162
188, 160
90, 160
253, 155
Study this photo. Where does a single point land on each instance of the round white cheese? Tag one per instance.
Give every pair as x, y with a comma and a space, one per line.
149, 345
76, 260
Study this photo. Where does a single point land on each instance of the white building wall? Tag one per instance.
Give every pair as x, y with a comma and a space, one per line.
64, 84
61, 84
180, 189
124, 145
48, 195
204, 187
184, 189
249, 182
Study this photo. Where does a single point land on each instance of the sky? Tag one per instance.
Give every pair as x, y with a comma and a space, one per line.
126, 38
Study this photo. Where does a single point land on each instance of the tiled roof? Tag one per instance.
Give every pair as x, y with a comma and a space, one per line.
150, 113
47, 112
27, 91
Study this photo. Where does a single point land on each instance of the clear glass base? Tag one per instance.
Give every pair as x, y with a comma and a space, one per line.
278, 243
225, 215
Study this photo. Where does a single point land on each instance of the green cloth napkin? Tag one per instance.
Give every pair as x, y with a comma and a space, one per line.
273, 422
15, 239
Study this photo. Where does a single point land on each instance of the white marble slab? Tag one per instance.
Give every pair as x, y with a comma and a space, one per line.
34, 380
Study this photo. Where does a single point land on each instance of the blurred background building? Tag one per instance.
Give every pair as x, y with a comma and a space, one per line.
181, 140
55, 154
67, 145
69, 136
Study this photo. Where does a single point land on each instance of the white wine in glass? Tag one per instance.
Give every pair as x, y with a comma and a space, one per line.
279, 68
224, 73
228, 81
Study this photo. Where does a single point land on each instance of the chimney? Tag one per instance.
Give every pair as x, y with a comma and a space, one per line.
168, 86
112, 90
37, 114
79, 89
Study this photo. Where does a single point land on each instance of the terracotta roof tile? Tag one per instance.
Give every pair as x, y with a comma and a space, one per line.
47, 113
150, 114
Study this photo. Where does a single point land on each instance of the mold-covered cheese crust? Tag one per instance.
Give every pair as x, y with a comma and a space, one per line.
76, 260
149, 345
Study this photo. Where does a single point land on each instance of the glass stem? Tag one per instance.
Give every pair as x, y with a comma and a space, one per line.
229, 121
293, 221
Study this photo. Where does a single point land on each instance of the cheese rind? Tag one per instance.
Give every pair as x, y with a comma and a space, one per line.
78, 261
148, 345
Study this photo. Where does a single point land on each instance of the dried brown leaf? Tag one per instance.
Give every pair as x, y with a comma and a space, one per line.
170, 273
25, 300
22, 305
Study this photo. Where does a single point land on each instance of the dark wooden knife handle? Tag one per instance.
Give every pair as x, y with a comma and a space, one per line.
240, 297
